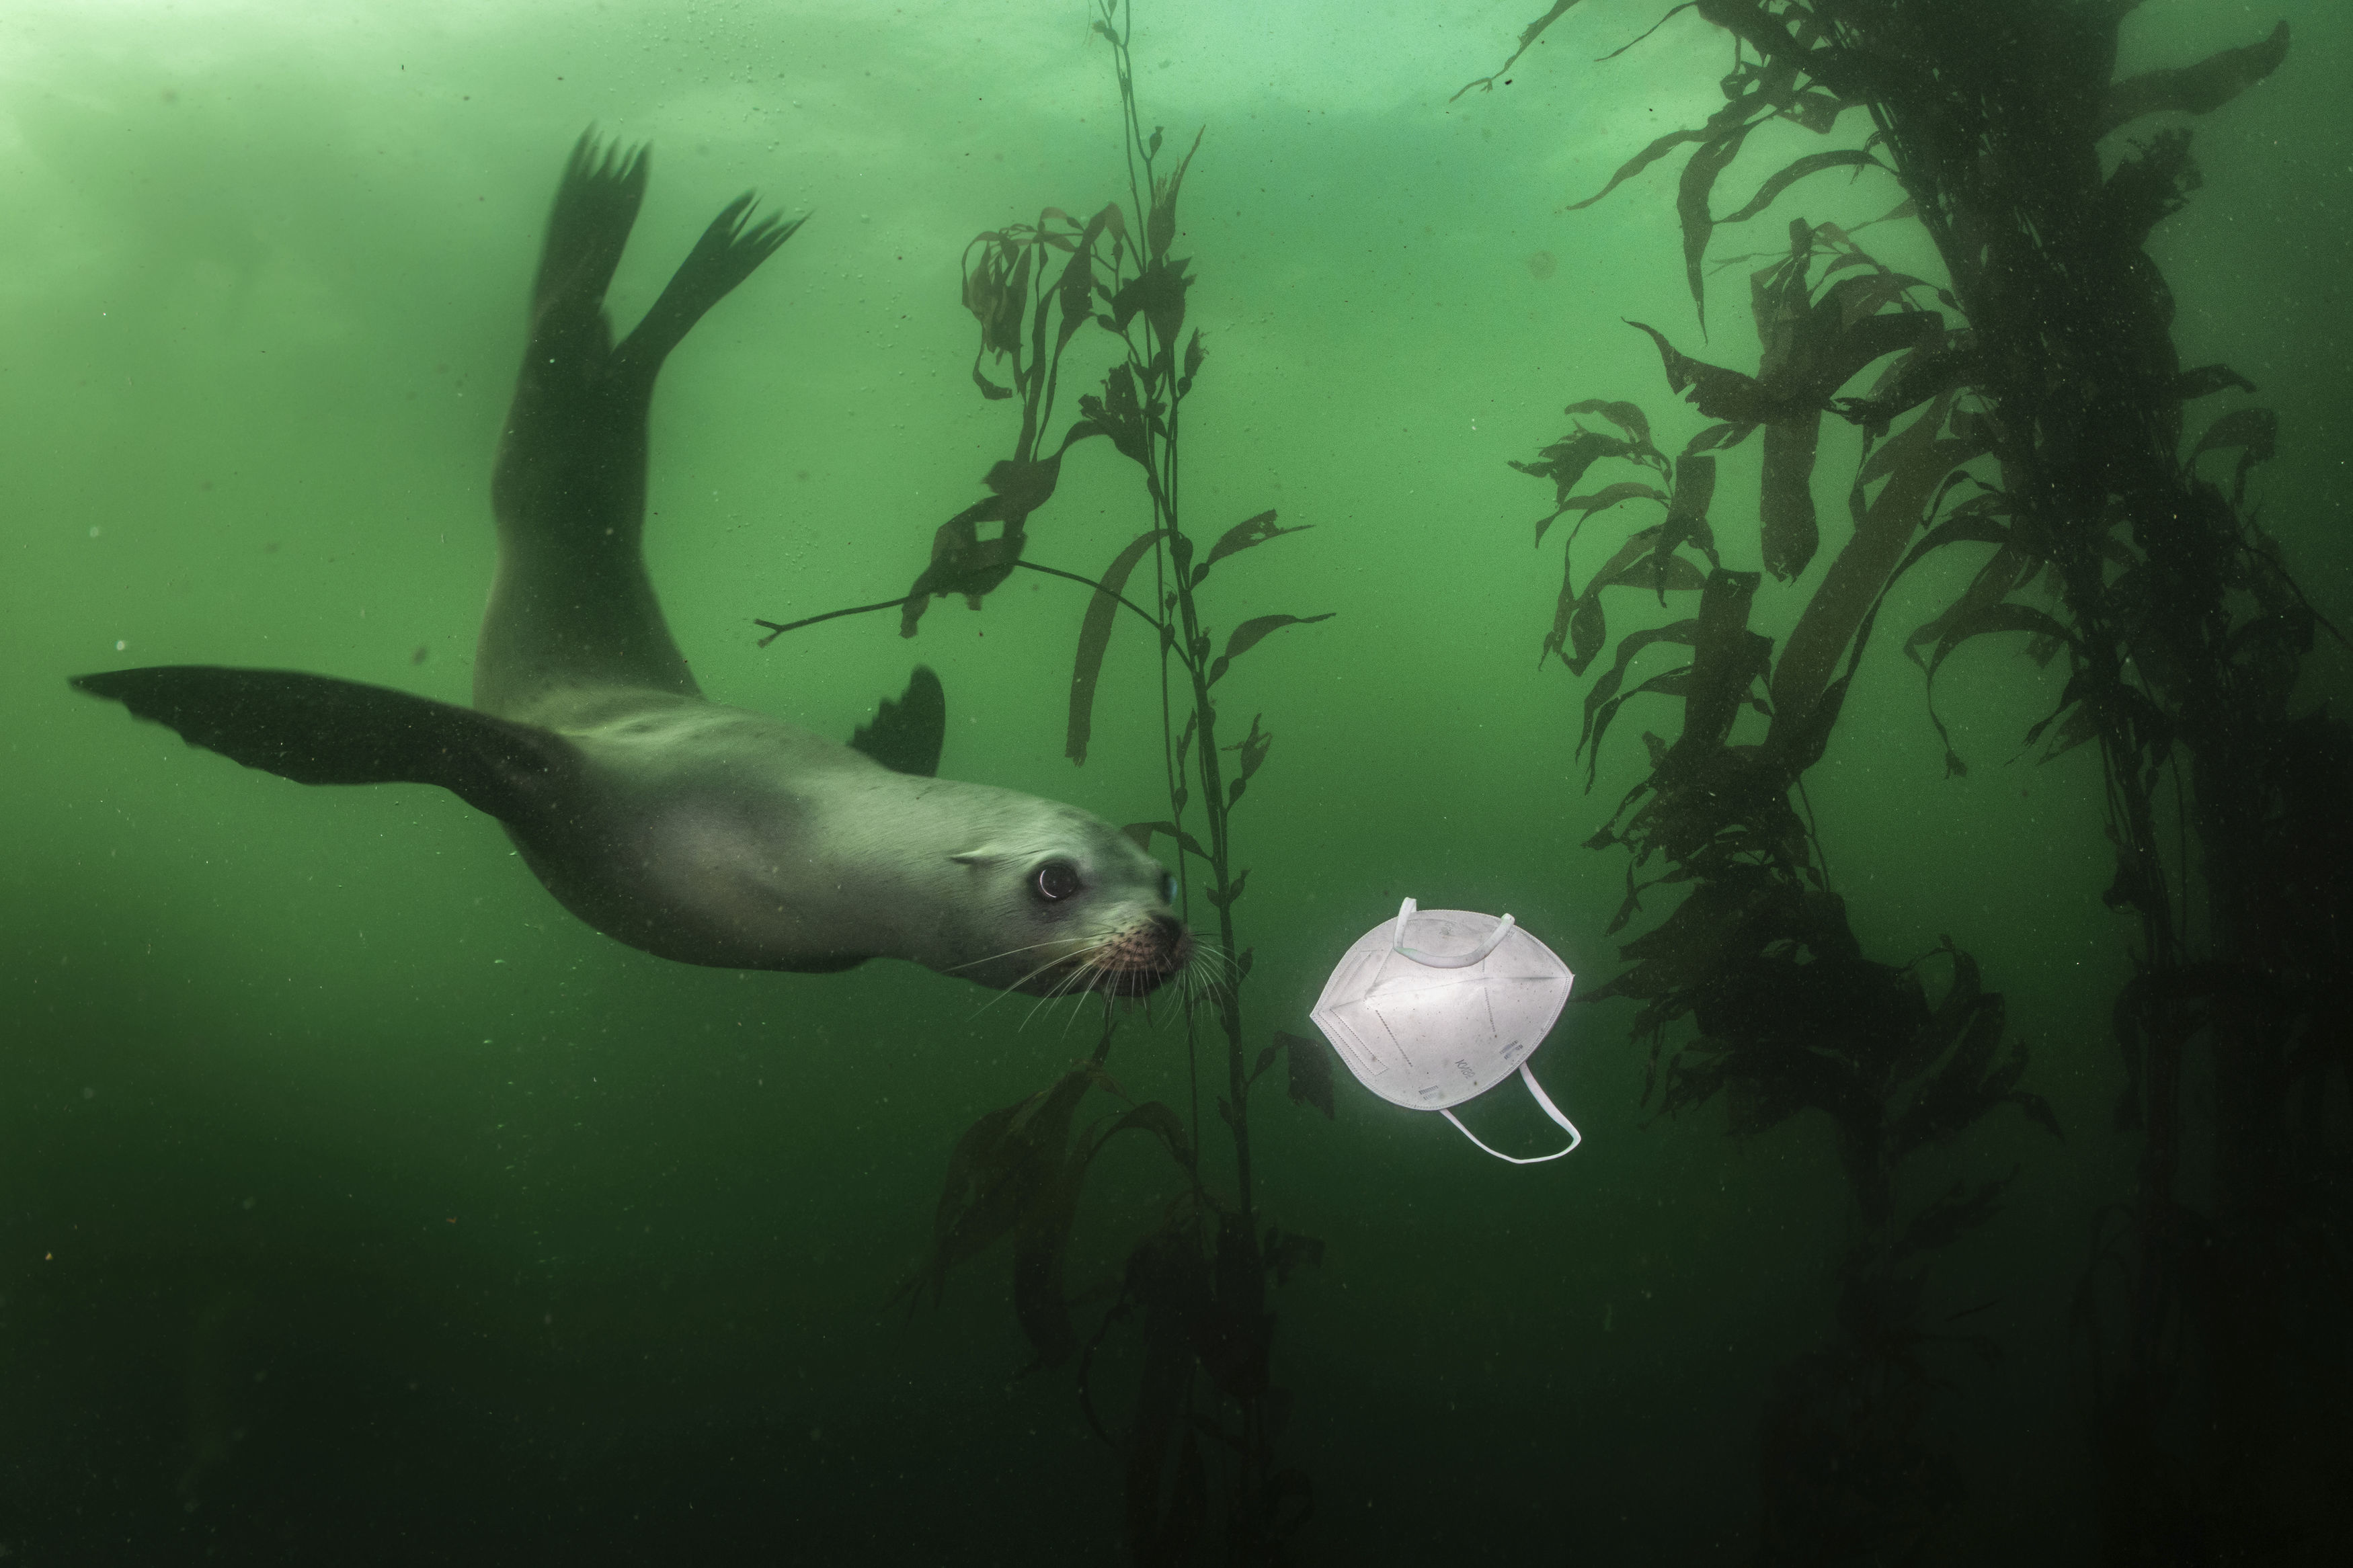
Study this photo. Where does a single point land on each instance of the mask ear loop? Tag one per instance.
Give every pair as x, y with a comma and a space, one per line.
1544, 1100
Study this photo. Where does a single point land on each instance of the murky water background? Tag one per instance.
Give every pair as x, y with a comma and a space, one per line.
357, 1204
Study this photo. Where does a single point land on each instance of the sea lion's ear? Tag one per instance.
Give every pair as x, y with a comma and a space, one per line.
986, 854
316, 730
906, 735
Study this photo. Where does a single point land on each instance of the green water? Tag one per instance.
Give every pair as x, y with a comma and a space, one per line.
359, 1204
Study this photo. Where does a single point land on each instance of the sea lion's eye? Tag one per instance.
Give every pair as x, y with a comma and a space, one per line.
1055, 881
1167, 886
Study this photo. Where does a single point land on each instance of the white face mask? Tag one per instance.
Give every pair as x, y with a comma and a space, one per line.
1439, 1006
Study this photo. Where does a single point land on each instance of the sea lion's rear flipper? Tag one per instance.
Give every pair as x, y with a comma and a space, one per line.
597, 204
727, 253
906, 735
316, 730
571, 606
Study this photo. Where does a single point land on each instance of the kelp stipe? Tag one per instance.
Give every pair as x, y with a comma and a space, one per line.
1201, 1477
2184, 635
1789, 1013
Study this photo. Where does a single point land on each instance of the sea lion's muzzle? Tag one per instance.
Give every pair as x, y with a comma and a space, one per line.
1139, 959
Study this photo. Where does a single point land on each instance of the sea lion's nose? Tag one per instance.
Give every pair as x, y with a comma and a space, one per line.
1168, 929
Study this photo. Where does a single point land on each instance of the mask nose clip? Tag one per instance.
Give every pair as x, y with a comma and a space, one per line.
1430, 961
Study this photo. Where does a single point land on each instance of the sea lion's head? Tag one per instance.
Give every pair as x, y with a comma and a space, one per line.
1071, 904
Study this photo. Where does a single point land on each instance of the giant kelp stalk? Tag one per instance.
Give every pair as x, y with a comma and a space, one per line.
1198, 1444
1759, 959
2219, 1406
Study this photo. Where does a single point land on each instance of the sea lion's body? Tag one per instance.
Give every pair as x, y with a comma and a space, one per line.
715, 835
698, 832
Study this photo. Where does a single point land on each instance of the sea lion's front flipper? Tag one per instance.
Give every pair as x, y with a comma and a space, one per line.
906, 735
316, 730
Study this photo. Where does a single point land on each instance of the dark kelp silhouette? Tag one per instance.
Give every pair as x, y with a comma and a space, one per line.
1189, 1316
2050, 433
1758, 957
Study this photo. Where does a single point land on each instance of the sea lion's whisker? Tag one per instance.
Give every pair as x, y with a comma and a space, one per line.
1210, 982
1018, 984
1204, 949
1064, 985
1063, 988
993, 957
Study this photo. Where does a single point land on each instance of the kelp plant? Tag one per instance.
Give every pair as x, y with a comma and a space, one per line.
1199, 1446
1790, 1016
2051, 435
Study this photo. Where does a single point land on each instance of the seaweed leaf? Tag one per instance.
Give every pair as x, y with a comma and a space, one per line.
1160, 225
1720, 437
2193, 90
1964, 1208
1287, 1251
1251, 633
1043, 1235
1565, 461
1788, 530
1914, 461
1641, 161
1576, 623
2253, 432
1240, 537
1528, 34
1811, 163
1686, 521
1194, 356
1141, 832
1692, 192
1600, 501
1119, 416
2207, 380
1167, 1276
1720, 393
1606, 688
1675, 682
1075, 291
1039, 1242
1627, 416
1726, 659
1252, 749
1308, 1073
1094, 638
964, 563
1000, 1169
1976, 621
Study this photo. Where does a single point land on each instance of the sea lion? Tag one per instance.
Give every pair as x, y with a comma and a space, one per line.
693, 830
